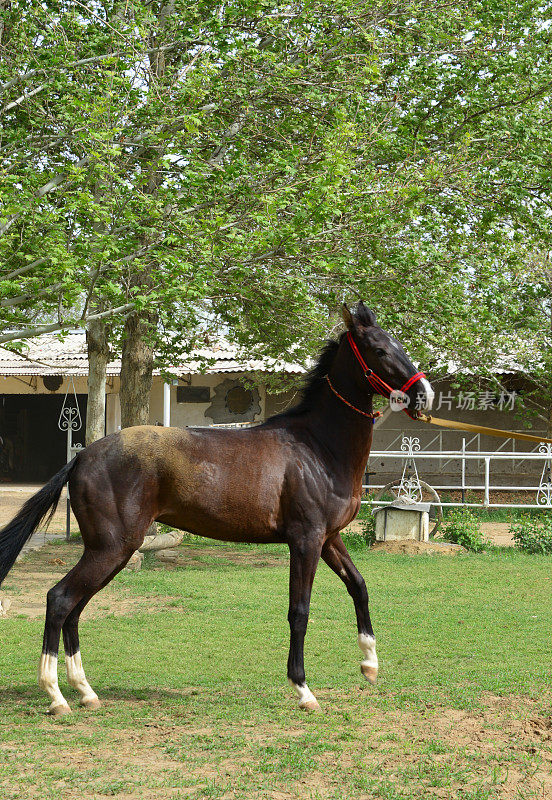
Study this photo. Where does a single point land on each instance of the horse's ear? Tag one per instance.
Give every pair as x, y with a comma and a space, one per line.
347, 317
365, 315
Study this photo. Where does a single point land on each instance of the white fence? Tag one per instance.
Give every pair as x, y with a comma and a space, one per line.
437, 443
409, 485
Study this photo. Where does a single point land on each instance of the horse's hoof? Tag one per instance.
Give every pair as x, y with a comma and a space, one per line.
370, 673
310, 705
59, 710
92, 704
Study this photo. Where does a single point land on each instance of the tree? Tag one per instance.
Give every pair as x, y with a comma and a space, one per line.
258, 163
97, 342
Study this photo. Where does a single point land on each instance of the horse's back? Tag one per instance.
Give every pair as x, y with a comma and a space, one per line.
223, 484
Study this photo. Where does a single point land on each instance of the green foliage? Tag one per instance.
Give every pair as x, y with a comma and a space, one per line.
368, 527
355, 540
533, 534
462, 527
271, 161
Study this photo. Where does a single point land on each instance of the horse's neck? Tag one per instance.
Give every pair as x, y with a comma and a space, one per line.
344, 432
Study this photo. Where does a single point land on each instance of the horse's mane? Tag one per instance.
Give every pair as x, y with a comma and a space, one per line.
313, 381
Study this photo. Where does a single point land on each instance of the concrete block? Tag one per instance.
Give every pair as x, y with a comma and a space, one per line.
397, 523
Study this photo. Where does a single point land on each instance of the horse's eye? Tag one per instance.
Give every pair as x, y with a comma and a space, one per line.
379, 352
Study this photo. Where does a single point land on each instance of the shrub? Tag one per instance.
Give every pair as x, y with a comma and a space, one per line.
473, 497
369, 530
532, 534
362, 538
462, 527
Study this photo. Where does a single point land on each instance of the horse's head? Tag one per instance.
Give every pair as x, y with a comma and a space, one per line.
385, 357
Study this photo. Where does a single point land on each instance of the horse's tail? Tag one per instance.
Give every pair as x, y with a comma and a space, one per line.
29, 517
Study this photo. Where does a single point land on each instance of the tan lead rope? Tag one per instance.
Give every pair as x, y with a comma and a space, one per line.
464, 426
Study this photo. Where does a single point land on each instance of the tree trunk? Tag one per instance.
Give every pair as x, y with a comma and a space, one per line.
136, 377
98, 356
136, 372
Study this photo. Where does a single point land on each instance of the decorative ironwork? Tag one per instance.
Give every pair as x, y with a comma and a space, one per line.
70, 420
228, 405
410, 444
410, 489
70, 417
544, 492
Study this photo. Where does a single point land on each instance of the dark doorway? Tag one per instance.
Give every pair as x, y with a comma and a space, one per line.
33, 447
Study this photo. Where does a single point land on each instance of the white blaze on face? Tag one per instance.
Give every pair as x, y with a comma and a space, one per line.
77, 678
429, 394
48, 680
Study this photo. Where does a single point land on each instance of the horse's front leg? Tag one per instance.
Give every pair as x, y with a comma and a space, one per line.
304, 557
337, 558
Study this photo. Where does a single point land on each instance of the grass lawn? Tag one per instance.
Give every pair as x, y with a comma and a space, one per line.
196, 703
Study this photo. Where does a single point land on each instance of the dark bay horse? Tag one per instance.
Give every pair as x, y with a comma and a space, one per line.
295, 479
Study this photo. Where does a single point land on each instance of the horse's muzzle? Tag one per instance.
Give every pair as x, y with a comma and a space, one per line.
426, 396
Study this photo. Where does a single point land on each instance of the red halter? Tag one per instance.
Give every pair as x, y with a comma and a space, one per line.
379, 386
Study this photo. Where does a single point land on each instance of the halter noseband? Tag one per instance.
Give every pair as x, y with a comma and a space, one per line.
379, 385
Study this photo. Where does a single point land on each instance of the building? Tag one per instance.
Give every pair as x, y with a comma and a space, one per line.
217, 387
34, 385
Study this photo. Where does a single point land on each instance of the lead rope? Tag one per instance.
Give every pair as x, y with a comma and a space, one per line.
466, 426
370, 414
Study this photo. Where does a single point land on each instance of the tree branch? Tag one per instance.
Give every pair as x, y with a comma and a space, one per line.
22, 270
22, 298
506, 104
27, 333
40, 193
22, 98
93, 60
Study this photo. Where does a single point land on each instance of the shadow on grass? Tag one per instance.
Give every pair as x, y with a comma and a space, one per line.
31, 695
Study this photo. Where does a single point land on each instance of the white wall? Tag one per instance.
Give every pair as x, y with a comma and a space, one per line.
112, 413
35, 385
182, 414
190, 414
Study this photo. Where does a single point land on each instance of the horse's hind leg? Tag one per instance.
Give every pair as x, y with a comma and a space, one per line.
60, 600
90, 574
336, 556
73, 662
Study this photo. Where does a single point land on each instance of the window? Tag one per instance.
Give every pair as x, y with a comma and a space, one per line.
193, 394
239, 400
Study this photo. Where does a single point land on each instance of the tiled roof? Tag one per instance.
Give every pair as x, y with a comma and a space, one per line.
48, 355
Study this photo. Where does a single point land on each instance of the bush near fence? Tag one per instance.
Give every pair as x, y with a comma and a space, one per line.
533, 534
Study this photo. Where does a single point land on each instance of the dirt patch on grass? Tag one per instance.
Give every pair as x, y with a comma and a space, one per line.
412, 548
499, 752
498, 533
512, 735
505, 748
13, 496
28, 582
198, 556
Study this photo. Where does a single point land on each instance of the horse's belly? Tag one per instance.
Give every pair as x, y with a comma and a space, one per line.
231, 504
